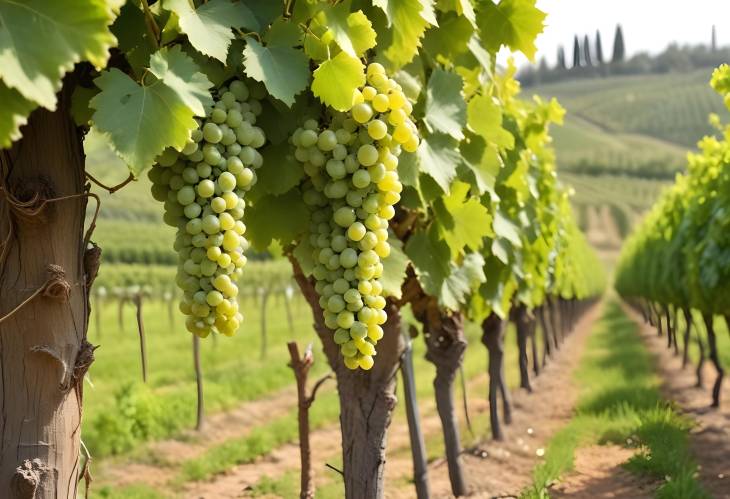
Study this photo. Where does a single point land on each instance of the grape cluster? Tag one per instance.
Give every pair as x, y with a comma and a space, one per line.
352, 184
203, 190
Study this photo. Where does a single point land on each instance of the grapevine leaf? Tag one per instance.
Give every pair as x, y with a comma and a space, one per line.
41, 40
438, 156
430, 257
481, 55
461, 7
505, 228
182, 75
450, 40
336, 80
209, 27
281, 172
407, 20
283, 32
463, 221
80, 110
282, 69
445, 108
353, 32
394, 269
140, 121
462, 280
515, 23
283, 218
13, 114
303, 253
484, 163
485, 118
214, 70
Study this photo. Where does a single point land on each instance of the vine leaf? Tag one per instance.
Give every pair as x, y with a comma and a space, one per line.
40, 41
485, 118
445, 107
407, 20
282, 173
181, 74
336, 80
352, 31
209, 27
483, 161
515, 23
463, 221
438, 156
282, 69
394, 269
282, 218
13, 114
140, 121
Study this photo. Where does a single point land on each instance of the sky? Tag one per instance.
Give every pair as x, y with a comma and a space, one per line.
648, 25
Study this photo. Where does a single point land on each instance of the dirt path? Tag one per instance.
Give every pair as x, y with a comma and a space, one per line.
503, 469
710, 438
599, 473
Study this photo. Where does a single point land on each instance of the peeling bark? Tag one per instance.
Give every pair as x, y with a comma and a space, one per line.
43, 349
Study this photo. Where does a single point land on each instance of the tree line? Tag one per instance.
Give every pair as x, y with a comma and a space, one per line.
590, 60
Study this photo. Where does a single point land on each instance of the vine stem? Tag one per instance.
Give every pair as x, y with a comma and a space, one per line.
152, 27
113, 188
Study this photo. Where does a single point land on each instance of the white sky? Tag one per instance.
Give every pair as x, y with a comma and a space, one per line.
648, 25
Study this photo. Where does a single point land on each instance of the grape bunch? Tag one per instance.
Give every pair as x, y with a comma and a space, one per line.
203, 190
352, 184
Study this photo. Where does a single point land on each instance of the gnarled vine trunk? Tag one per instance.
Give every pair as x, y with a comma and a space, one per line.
367, 399
715, 358
521, 318
494, 329
45, 275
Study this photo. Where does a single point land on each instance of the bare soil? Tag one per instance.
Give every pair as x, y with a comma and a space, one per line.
710, 438
599, 473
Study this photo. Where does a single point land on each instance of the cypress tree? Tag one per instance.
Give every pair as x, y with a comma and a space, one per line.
619, 50
561, 58
599, 49
576, 52
587, 51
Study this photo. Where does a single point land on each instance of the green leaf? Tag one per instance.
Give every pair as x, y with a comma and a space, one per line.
394, 269
280, 172
430, 257
485, 118
505, 228
282, 69
336, 80
407, 20
483, 161
140, 121
438, 156
515, 23
463, 222
182, 75
353, 32
450, 40
445, 108
462, 281
209, 27
283, 218
40, 40
80, 110
14, 113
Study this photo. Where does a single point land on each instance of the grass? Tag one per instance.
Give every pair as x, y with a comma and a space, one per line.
620, 402
121, 412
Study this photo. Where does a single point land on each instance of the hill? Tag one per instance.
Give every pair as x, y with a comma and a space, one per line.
638, 125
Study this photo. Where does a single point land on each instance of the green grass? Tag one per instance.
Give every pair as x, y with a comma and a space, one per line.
121, 412
619, 400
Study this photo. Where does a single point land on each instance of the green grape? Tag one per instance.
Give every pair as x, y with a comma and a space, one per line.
202, 191
350, 161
